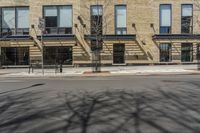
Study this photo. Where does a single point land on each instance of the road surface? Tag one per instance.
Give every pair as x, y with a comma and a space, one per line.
118, 104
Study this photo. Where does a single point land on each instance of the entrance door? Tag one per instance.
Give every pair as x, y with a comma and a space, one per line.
118, 53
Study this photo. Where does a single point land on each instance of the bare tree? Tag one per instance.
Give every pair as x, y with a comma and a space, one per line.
98, 20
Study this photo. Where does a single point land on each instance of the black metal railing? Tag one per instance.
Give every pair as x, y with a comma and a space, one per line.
12, 31
57, 30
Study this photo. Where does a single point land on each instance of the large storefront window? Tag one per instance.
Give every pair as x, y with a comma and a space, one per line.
54, 55
165, 18
15, 55
58, 19
187, 19
15, 21
187, 52
120, 19
165, 52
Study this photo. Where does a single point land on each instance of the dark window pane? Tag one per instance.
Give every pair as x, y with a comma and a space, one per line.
187, 18
165, 52
58, 19
96, 45
51, 21
58, 55
187, 52
186, 25
15, 56
96, 25
96, 19
7, 32
165, 30
198, 52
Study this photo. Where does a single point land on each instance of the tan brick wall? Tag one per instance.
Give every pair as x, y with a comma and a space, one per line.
142, 13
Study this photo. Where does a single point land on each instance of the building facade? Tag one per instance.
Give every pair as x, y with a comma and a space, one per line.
127, 32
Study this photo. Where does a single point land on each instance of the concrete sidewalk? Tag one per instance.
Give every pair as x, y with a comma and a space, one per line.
114, 70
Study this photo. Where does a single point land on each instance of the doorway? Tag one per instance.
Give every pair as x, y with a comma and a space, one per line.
118, 53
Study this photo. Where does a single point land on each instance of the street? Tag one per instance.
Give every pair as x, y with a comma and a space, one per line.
106, 104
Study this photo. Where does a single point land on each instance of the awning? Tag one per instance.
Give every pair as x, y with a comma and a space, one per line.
175, 36
129, 37
15, 37
57, 37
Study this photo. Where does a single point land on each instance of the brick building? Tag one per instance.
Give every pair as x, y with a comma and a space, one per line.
131, 31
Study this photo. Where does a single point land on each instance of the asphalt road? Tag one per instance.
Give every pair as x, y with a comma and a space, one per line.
119, 104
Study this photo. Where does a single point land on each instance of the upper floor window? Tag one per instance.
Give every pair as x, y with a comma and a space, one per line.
187, 19
120, 19
58, 19
165, 18
15, 21
96, 19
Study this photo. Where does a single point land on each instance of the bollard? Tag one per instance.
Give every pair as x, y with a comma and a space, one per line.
61, 68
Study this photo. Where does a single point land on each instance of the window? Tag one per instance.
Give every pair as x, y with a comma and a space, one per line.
198, 52
187, 52
96, 45
15, 55
187, 19
58, 19
165, 52
58, 55
120, 19
96, 26
165, 18
96, 19
15, 21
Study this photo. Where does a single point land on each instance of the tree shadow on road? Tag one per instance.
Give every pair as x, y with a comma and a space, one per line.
119, 111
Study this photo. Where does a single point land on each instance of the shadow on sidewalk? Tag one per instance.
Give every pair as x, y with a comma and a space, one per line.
122, 111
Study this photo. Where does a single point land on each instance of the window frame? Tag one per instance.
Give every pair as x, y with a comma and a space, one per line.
192, 18
93, 15
15, 55
169, 52
121, 28
191, 54
16, 20
58, 15
171, 17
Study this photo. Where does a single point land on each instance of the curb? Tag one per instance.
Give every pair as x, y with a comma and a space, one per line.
100, 75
